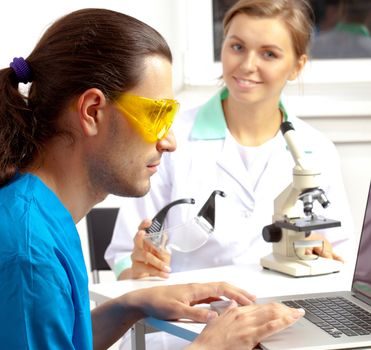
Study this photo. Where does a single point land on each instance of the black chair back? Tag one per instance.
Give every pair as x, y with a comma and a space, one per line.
100, 225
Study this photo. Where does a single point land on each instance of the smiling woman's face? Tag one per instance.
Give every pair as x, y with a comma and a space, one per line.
258, 58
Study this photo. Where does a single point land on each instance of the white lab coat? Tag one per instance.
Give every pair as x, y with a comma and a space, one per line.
199, 167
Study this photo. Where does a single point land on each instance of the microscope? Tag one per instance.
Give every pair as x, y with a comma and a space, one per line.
291, 225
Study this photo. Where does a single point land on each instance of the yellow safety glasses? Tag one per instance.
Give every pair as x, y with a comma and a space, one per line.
152, 118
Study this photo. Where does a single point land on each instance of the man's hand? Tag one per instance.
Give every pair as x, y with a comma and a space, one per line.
176, 301
113, 318
245, 327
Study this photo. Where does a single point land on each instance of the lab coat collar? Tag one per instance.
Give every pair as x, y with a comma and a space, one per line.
210, 122
230, 160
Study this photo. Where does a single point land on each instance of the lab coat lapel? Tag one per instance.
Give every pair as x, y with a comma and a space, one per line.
230, 161
278, 173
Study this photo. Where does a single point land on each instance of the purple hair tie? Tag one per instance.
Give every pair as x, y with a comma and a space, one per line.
22, 70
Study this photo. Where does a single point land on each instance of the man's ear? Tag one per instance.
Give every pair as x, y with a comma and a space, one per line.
91, 106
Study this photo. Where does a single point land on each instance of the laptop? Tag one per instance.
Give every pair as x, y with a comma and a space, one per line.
337, 320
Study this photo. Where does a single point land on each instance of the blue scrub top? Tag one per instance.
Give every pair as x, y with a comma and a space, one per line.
44, 300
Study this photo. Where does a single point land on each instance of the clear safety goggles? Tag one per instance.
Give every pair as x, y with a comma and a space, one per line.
186, 237
152, 118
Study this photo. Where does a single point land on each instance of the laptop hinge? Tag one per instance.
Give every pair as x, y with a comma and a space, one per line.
361, 297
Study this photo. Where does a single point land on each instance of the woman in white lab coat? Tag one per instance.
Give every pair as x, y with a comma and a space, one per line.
232, 143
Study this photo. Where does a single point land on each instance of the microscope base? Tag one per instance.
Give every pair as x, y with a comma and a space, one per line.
300, 268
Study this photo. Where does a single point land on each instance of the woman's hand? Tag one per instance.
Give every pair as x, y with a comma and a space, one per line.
324, 251
147, 259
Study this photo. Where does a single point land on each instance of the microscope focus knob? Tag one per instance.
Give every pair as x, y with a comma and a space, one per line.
272, 233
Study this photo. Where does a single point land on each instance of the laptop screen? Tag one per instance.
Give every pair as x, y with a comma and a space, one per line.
361, 285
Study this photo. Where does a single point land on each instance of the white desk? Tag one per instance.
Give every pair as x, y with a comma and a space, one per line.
262, 283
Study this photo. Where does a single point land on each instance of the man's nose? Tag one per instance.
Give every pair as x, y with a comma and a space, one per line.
168, 143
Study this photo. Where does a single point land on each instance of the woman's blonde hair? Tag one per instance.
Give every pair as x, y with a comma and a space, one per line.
296, 14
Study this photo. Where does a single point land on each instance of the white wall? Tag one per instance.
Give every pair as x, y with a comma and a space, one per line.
341, 111
22, 23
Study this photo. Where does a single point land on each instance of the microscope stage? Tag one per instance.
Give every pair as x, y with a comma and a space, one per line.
305, 225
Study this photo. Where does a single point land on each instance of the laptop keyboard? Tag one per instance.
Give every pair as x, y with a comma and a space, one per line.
335, 315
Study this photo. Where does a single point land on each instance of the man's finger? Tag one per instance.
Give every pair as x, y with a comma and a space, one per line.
278, 324
197, 314
218, 289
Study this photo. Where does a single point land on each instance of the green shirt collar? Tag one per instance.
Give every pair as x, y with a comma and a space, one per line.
210, 123
354, 28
